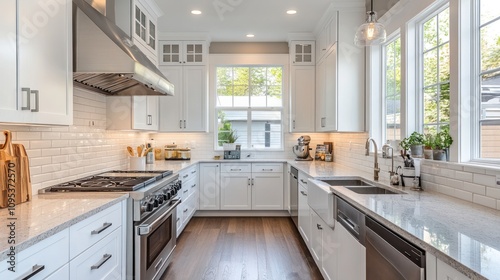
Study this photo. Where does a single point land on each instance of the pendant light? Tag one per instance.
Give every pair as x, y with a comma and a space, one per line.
371, 32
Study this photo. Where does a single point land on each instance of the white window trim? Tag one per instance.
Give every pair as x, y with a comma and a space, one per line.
383, 67
248, 60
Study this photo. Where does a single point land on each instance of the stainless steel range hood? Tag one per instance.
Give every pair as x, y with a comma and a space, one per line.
105, 59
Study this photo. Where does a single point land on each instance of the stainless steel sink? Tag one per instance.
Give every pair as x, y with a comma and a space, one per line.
369, 190
347, 182
360, 186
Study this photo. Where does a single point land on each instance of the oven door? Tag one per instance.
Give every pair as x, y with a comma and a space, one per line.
155, 240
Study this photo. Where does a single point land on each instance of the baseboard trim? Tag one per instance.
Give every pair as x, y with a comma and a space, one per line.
241, 213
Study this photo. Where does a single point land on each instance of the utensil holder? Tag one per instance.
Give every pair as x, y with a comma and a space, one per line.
137, 163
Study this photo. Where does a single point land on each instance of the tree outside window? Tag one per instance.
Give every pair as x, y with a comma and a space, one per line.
392, 86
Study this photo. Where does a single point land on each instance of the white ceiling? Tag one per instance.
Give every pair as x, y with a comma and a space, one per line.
231, 20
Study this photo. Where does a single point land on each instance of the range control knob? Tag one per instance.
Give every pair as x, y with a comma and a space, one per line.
149, 206
160, 199
167, 196
173, 192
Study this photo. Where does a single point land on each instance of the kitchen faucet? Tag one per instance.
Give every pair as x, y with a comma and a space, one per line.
376, 169
387, 147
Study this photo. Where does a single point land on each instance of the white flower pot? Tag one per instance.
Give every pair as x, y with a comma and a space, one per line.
229, 146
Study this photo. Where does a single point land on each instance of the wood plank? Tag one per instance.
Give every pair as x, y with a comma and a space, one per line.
241, 248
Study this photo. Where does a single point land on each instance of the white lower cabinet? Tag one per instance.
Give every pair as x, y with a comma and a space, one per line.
446, 272
316, 237
101, 261
325, 247
351, 261
304, 217
39, 260
235, 191
209, 186
61, 273
267, 191
189, 197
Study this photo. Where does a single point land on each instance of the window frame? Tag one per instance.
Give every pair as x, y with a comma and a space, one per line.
475, 29
391, 39
250, 109
419, 80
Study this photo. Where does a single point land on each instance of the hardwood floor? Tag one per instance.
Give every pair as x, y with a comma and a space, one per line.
241, 248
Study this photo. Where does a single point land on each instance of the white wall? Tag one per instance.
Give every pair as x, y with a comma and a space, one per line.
62, 153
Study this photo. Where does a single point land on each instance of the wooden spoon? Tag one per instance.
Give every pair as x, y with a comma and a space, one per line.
130, 151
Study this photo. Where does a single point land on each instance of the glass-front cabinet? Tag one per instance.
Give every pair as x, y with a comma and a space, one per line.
302, 52
182, 52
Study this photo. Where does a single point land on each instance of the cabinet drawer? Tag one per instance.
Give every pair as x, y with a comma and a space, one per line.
89, 231
267, 167
303, 179
48, 256
61, 273
101, 261
189, 173
236, 167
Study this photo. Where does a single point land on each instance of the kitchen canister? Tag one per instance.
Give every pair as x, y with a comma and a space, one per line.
137, 163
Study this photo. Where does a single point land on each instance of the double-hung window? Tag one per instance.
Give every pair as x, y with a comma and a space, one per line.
488, 75
249, 106
392, 88
435, 71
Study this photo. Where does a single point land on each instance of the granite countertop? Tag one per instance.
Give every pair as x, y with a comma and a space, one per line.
50, 213
464, 235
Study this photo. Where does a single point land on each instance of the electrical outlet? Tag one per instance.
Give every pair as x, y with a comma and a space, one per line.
498, 180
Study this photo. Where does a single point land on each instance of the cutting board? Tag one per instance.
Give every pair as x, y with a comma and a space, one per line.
15, 176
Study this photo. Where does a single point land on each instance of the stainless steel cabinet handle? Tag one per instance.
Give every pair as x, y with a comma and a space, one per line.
235, 169
101, 229
185, 191
104, 259
178, 219
303, 193
293, 124
252, 181
193, 186
185, 210
184, 123
319, 226
37, 100
303, 182
28, 99
185, 176
270, 169
180, 124
34, 271
192, 172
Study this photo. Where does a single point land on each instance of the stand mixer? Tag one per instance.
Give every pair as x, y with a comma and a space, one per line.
301, 150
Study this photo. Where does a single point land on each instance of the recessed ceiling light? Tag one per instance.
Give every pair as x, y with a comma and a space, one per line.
196, 12
291, 12
250, 35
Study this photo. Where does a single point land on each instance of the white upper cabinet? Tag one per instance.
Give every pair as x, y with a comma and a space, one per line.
327, 36
132, 112
183, 52
302, 53
39, 89
145, 28
302, 95
340, 74
187, 110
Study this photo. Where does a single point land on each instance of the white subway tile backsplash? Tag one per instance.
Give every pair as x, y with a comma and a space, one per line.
40, 161
49, 168
456, 193
483, 200
493, 192
51, 152
40, 144
51, 135
26, 135
474, 188
463, 176
474, 169
486, 180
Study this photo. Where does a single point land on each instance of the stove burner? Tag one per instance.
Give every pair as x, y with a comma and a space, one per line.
105, 182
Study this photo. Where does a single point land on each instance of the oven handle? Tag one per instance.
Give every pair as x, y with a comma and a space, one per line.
145, 229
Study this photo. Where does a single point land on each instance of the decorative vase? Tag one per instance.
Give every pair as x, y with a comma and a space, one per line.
229, 146
428, 153
417, 151
408, 176
439, 155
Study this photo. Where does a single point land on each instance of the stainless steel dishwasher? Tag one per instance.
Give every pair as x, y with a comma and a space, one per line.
294, 195
389, 256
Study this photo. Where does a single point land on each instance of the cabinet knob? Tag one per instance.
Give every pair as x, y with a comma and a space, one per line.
319, 226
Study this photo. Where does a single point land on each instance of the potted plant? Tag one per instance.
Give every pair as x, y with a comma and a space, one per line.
428, 141
415, 143
442, 143
231, 138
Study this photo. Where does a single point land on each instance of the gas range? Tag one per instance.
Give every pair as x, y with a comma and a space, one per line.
113, 181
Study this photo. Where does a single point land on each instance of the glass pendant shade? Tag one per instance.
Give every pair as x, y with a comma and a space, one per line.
371, 32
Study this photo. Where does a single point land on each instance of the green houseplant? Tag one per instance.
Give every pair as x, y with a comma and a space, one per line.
441, 144
428, 143
230, 137
414, 143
